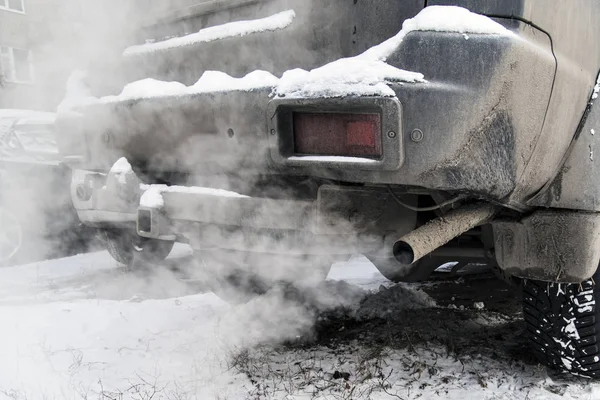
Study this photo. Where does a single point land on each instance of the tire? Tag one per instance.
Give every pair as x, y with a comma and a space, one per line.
563, 325
238, 276
125, 247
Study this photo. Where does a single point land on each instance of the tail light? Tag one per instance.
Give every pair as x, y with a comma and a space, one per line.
337, 134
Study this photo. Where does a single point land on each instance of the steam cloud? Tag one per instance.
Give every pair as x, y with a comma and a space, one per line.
93, 47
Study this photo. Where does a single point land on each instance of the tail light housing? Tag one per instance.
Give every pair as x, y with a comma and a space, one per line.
337, 134
341, 134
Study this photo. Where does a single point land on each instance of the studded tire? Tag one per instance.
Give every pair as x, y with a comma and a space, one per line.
563, 325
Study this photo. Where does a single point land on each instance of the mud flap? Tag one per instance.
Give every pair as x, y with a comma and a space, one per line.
550, 245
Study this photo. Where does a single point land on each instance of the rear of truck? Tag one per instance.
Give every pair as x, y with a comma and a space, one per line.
284, 135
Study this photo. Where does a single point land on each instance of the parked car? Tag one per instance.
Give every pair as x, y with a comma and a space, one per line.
36, 212
416, 136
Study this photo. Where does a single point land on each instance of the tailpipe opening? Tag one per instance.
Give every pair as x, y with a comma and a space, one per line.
404, 253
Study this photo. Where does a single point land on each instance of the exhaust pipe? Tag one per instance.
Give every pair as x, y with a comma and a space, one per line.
436, 233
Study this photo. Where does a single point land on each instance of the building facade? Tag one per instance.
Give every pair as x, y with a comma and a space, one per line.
16, 60
43, 41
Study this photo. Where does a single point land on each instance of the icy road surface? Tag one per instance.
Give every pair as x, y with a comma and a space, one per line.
85, 328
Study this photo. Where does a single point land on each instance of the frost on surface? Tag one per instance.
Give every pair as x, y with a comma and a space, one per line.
233, 29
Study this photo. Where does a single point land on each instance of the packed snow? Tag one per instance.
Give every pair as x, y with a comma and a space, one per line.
354, 76
152, 196
216, 81
86, 328
210, 81
233, 29
438, 19
146, 88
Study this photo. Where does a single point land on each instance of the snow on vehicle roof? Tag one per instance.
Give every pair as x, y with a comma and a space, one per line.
364, 75
10, 117
29, 115
233, 29
33, 132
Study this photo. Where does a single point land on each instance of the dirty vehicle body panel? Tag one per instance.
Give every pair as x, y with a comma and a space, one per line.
500, 120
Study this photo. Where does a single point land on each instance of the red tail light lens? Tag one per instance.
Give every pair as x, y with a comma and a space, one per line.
336, 134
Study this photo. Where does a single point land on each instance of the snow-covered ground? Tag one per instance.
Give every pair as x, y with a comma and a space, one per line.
85, 328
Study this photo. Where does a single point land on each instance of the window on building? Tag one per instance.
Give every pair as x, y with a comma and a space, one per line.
15, 65
13, 5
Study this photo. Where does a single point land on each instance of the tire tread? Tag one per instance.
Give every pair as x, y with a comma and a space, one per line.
549, 309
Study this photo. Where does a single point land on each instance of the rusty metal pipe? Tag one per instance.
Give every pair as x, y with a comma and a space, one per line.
436, 233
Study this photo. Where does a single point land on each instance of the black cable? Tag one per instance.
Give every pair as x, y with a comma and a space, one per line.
432, 208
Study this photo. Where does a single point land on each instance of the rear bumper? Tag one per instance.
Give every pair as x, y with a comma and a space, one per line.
341, 220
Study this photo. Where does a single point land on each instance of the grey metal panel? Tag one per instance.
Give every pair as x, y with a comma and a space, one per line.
574, 29
577, 185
